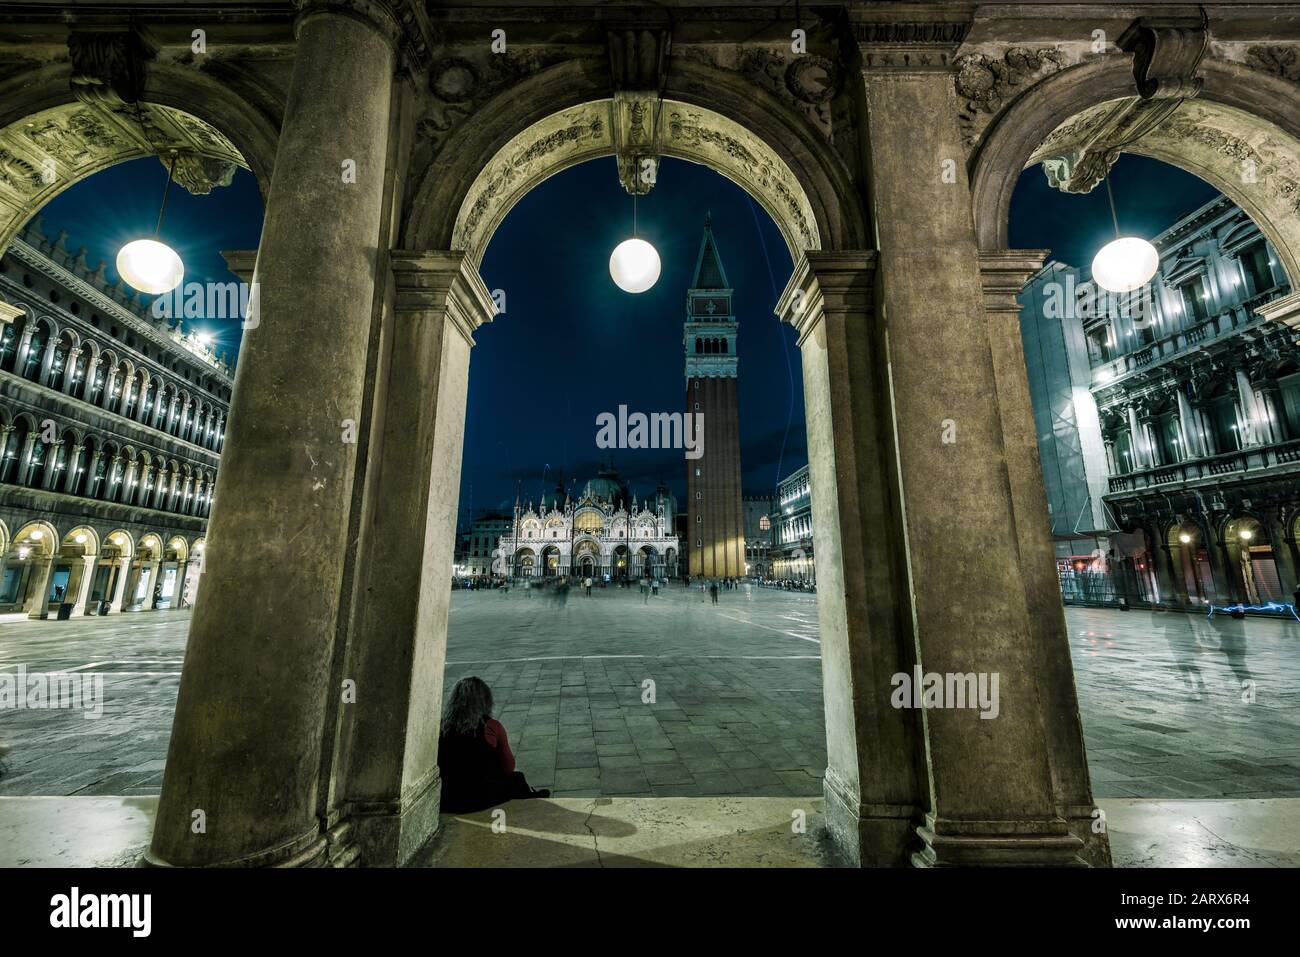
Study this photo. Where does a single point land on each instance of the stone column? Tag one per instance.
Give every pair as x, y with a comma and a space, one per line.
91, 469
25, 459
70, 479
6, 434
146, 486
1254, 427
38, 603
83, 584
1137, 441
110, 380
170, 416
278, 542
408, 540
874, 798
1193, 440
992, 799
47, 360
1004, 275
154, 567
70, 370
127, 494
119, 587
51, 471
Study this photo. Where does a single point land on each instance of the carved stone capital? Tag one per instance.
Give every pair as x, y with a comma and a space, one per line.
638, 58
822, 282
636, 124
1004, 274
108, 66
443, 283
403, 23
199, 174
1166, 53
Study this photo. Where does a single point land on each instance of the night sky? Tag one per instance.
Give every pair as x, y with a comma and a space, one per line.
120, 204
571, 344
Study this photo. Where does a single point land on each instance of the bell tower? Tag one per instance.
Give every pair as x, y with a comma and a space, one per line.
715, 526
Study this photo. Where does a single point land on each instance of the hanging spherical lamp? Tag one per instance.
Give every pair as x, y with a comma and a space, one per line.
150, 266
634, 265
1125, 264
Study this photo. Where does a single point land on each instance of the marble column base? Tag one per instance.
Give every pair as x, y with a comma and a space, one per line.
866, 835
388, 833
997, 844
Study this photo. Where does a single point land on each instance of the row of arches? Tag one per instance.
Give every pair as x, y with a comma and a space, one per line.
1247, 557
91, 571
90, 465
710, 346
588, 559
62, 360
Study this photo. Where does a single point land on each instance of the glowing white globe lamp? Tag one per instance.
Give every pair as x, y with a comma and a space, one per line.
634, 265
1125, 264
150, 266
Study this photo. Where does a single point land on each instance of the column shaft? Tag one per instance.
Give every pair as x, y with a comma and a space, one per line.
250, 719
398, 648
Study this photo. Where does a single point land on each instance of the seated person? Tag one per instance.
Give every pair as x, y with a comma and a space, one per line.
478, 769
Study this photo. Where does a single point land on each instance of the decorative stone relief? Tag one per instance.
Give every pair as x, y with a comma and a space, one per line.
808, 83
1281, 61
585, 132
988, 83
568, 137
462, 81
107, 67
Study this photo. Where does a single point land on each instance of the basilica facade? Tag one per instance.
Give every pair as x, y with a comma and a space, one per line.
601, 533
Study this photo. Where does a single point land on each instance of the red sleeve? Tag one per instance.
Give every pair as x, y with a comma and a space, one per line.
495, 734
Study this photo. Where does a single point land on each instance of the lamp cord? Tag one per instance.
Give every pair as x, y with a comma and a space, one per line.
171, 171
1113, 218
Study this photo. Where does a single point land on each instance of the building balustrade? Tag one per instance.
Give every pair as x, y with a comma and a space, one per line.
1250, 459
1228, 322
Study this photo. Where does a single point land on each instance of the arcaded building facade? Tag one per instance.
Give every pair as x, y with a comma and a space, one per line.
1188, 419
111, 428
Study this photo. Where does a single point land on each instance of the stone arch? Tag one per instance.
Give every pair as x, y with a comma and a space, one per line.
122, 540
561, 116
212, 120
1241, 114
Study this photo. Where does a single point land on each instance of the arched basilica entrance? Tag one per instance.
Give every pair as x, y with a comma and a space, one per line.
883, 153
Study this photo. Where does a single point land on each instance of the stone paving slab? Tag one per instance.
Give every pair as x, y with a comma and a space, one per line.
737, 706
664, 832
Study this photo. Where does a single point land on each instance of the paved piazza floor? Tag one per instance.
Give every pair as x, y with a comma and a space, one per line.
737, 697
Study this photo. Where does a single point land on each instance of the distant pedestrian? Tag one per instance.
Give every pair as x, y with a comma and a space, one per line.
654, 588
713, 592
586, 582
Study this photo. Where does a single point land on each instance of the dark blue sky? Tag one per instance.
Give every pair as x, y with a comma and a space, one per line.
571, 344
1150, 196
120, 204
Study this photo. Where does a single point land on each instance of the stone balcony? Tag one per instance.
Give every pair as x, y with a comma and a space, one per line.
1200, 335
1279, 457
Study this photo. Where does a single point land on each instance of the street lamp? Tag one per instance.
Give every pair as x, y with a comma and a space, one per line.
1126, 262
151, 266
634, 264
